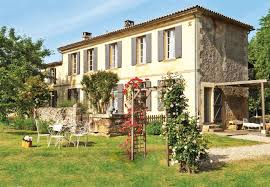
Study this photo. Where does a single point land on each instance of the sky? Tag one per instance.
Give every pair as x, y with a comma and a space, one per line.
61, 22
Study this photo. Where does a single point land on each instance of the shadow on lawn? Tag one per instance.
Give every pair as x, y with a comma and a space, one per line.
213, 163
20, 133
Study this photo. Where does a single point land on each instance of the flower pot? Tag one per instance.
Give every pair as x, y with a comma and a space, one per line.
26, 144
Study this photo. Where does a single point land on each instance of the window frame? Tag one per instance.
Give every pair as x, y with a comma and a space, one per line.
74, 63
169, 51
90, 59
113, 56
141, 50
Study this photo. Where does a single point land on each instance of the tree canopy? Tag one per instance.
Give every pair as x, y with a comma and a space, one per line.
21, 61
259, 49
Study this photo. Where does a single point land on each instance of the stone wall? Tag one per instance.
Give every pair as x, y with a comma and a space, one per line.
99, 124
224, 58
61, 115
106, 125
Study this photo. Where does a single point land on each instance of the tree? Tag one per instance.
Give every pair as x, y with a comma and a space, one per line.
259, 56
98, 87
21, 59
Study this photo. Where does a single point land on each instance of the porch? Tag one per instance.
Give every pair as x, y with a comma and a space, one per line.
224, 103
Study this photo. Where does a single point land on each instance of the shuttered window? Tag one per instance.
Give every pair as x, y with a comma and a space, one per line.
170, 43
53, 75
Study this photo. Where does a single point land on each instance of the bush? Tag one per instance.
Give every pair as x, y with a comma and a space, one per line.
65, 103
153, 128
23, 124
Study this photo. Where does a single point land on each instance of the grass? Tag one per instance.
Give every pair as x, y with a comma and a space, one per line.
104, 163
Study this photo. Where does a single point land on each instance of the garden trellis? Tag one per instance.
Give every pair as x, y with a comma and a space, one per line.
136, 92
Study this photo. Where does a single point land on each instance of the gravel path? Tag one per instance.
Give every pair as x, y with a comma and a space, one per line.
243, 152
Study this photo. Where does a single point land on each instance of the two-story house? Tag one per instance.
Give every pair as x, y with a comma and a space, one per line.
200, 44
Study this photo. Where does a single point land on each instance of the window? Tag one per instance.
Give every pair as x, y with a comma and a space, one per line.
113, 55
169, 44
90, 59
73, 94
53, 75
74, 63
141, 50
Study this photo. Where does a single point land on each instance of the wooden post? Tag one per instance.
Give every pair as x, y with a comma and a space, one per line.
167, 142
132, 126
263, 105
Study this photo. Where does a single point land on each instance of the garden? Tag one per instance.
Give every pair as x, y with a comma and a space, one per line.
104, 163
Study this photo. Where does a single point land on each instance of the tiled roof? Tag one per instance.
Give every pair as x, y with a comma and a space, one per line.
188, 11
53, 64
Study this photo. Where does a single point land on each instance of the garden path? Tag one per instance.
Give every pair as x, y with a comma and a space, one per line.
243, 152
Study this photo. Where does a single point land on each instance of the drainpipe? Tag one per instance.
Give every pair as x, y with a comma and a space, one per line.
196, 67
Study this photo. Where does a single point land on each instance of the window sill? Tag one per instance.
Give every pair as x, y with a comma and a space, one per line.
170, 60
141, 64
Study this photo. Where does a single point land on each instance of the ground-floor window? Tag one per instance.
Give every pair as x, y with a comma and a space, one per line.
53, 99
74, 94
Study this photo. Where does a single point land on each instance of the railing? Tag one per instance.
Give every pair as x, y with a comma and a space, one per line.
159, 118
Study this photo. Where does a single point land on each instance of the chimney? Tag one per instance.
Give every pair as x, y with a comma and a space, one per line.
129, 23
87, 35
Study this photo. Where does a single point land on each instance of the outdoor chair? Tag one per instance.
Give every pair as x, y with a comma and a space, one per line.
56, 132
78, 131
39, 134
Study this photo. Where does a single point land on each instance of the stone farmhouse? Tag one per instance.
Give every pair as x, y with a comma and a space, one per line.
202, 45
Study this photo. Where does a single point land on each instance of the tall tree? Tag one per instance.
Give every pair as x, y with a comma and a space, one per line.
259, 56
21, 61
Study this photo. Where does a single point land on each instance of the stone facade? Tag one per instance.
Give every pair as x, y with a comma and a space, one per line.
224, 58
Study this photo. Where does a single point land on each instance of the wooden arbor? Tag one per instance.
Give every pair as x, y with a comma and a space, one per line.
136, 92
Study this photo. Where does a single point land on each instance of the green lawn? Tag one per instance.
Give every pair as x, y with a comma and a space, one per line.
103, 163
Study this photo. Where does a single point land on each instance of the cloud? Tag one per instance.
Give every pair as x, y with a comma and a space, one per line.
106, 8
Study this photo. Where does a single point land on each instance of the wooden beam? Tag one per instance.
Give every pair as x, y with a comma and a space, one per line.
263, 106
239, 83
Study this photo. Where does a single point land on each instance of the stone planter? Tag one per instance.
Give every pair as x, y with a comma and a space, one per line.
106, 124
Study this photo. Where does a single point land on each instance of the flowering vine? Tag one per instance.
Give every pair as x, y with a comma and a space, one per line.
136, 115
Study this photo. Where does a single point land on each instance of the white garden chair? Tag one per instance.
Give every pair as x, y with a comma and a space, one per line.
47, 135
56, 133
78, 132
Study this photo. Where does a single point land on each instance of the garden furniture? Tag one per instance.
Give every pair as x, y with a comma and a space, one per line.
56, 132
39, 132
78, 131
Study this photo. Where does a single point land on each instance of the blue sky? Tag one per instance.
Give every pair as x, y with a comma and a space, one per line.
60, 22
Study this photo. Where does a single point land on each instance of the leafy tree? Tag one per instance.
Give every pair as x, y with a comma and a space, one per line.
98, 87
259, 56
21, 59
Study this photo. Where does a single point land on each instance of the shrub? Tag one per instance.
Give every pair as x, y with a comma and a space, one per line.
65, 103
23, 124
153, 128
188, 145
